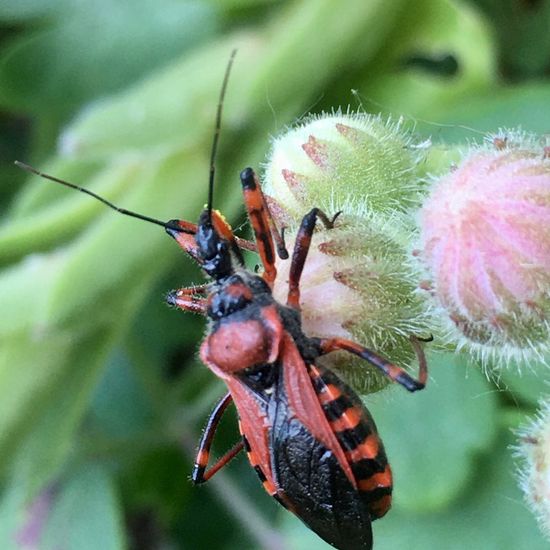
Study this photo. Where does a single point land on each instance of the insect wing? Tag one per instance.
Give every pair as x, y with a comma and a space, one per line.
306, 458
253, 425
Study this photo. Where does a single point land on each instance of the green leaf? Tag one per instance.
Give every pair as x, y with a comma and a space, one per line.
175, 107
172, 109
87, 49
41, 194
27, 9
491, 514
80, 511
23, 294
13, 506
46, 214
434, 437
159, 481
524, 106
86, 513
522, 30
297, 67
120, 406
43, 402
434, 30
43, 399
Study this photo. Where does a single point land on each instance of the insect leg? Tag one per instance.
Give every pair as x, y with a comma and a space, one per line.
301, 249
189, 299
397, 374
262, 224
200, 474
416, 342
278, 236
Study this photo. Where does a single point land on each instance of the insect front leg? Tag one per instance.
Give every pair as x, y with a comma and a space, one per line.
301, 249
263, 225
200, 473
189, 298
397, 374
185, 238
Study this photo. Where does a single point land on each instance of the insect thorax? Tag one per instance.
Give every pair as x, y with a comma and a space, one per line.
238, 292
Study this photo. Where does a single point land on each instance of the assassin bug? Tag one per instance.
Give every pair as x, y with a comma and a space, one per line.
306, 433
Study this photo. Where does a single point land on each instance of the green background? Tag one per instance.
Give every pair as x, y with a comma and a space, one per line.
102, 397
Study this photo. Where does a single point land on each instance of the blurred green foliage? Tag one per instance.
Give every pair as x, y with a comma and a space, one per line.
101, 395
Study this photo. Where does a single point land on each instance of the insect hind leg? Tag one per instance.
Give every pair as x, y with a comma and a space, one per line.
395, 373
200, 472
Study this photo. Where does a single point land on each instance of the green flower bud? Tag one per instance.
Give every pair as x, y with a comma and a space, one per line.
356, 163
357, 282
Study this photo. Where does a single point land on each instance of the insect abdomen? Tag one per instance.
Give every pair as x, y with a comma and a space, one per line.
311, 481
356, 432
317, 489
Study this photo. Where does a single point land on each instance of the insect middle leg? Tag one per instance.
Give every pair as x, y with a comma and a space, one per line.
301, 249
200, 473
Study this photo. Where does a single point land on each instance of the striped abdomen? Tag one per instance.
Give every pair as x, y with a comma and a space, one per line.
356, 432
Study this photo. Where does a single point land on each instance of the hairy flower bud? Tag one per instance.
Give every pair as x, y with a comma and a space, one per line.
533, 451
357, 282
356, 163
486, 242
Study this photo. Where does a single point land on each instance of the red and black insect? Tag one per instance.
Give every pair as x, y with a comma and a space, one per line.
306, 433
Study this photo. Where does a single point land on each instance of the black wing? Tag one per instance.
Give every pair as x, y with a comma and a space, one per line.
313, 484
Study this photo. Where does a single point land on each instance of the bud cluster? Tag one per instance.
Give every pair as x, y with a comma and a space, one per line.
357, 282
479, 274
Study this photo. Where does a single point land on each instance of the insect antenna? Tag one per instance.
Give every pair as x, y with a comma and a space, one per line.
166, 225
217, 134
171, 225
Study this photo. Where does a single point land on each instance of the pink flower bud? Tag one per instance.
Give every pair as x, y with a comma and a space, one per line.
486, 241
